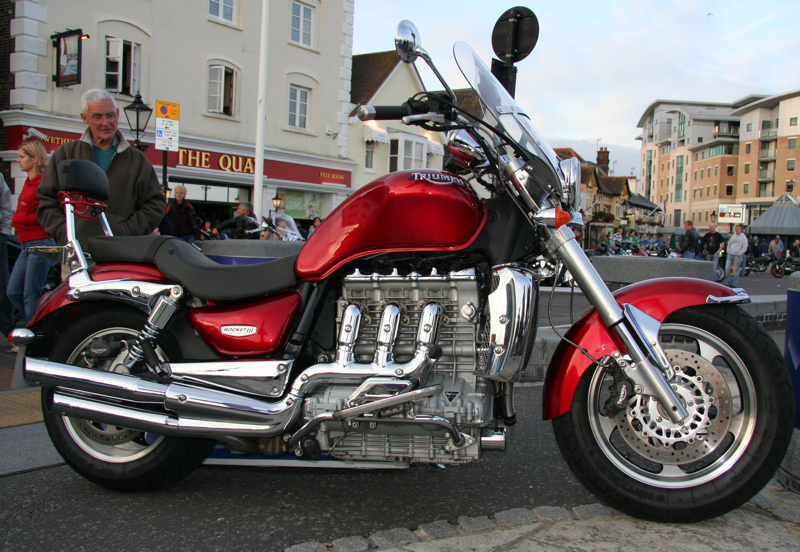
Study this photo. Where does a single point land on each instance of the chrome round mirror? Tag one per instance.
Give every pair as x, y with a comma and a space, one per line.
406, 41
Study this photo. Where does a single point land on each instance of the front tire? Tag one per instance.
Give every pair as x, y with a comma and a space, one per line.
733, 381
777, 270
112, 456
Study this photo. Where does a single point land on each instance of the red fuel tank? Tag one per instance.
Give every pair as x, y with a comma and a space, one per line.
416, 210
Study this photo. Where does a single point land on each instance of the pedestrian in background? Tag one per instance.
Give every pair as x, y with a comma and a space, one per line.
6, 308
182, 216
776, 247
27, 279
136, 203
737, 246
712, 243
688, 246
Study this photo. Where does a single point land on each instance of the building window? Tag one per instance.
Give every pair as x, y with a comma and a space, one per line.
369, 156
792, 143
747, 148
122, 66
792, 121
747, 168
298, 107
729, 189
749, 127
790, 186
411, 150
790, 165
746, 189
730, 170
221, 90
221, 9
302, 19
763, 189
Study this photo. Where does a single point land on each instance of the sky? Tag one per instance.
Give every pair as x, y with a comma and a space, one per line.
598, 64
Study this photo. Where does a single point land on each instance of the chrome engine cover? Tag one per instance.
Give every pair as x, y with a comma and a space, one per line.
467, 393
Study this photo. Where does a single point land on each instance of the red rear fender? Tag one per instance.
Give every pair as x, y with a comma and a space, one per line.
658, 298
57, 298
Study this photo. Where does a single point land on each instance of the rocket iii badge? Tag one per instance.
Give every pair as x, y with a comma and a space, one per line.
238, 331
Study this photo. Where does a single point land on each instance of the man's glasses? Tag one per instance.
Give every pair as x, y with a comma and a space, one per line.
99, 117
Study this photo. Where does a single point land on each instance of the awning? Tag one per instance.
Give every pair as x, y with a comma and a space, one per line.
375, 134
435, 148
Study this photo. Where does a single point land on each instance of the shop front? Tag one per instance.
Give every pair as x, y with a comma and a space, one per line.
217, 175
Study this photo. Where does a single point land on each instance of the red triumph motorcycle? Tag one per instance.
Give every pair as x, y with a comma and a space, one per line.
384, 340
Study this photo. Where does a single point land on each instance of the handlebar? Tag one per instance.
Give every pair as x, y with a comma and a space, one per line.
383, 112
430, 108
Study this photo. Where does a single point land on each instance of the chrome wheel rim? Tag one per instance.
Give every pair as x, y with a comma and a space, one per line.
106, 442
647, 447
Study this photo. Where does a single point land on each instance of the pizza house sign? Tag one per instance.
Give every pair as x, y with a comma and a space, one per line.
275, 169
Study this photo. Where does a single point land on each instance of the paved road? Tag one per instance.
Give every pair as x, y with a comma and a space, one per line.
269, 509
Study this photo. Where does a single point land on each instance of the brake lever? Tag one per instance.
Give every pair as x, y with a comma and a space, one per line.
431, 117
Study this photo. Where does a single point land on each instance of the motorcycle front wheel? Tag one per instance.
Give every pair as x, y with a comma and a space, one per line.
732, 379
107, 455
777, 270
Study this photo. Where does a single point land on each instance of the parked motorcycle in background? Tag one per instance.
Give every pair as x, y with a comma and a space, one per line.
387, 342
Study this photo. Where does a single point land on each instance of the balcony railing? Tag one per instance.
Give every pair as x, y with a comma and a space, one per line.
768, 174
725, 130
767, 154
769, 134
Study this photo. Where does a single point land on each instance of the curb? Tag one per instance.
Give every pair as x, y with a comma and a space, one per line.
773, 504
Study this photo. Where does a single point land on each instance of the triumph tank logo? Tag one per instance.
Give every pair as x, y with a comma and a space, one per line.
238, 331
436, 178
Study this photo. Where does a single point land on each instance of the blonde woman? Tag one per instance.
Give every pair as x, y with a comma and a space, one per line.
182, 216
30, 271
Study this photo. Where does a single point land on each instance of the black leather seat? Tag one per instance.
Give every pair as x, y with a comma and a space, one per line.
202, 277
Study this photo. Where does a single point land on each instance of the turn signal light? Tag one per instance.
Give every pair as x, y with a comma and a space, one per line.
562, 217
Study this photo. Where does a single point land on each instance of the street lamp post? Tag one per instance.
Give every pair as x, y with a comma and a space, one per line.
276, 202
138, 115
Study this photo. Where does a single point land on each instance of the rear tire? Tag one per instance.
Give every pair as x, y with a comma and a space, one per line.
777, 270
735, 384
110, 456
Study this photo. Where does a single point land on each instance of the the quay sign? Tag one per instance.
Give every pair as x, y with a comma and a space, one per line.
279, 170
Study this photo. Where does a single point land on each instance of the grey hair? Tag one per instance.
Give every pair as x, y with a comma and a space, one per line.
247, 205
95, 95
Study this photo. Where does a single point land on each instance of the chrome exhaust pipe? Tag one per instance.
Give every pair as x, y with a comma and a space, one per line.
82, 392
154, 422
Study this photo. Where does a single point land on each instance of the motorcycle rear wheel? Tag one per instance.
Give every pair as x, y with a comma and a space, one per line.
735, 384
110, 456
777, 271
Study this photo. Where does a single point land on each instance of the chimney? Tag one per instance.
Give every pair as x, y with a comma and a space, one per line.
602, 160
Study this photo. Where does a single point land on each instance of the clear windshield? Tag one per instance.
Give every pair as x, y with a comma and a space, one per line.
501, 109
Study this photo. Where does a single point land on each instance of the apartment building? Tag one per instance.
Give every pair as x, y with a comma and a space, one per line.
203, 57
697, 156
768, 156
687, 149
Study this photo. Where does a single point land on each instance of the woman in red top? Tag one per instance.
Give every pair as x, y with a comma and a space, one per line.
30, 271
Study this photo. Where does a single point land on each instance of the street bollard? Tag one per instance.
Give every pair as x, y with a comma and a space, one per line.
790, 470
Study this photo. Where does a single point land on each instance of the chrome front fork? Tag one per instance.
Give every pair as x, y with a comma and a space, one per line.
650, 370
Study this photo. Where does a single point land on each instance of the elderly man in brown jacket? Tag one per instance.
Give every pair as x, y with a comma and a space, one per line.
136, 204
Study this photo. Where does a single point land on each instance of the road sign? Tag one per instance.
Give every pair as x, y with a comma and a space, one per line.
167, 125
167, 134
168, 110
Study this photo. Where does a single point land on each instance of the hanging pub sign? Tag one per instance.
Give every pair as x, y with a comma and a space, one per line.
68, 57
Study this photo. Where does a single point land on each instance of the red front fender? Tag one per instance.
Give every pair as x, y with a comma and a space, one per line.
658, 298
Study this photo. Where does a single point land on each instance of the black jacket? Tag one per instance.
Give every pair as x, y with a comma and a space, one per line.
241, 225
